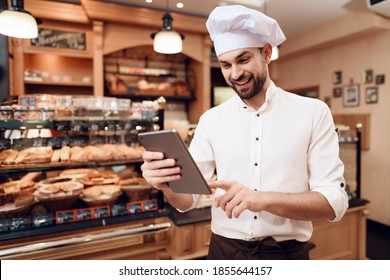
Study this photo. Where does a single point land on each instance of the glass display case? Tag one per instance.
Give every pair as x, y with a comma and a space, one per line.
71, 172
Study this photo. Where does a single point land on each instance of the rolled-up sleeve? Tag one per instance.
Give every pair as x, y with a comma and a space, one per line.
326, 171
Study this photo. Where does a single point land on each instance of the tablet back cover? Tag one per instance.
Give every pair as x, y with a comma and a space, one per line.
170, 143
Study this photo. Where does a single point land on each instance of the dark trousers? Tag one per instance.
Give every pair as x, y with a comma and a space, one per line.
222, 248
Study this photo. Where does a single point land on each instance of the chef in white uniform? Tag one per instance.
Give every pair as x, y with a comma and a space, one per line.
275, 154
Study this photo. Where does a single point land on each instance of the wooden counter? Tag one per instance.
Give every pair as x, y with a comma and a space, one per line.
343, 240
180, 236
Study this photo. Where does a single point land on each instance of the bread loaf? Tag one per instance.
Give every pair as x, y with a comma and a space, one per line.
38, 155
101, 192
78, 154
5, 153
65, 153
56, 156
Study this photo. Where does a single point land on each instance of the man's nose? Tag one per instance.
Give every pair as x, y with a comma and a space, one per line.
236, 72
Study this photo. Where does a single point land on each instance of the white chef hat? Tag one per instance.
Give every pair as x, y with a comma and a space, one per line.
234, 26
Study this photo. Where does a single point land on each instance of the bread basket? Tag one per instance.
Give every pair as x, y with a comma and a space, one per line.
136, 188
101, 195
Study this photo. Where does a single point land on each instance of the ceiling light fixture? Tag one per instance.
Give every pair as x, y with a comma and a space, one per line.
167, 40
15, 21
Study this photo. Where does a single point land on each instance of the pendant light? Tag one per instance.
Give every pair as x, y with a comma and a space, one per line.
167, 40
15, 21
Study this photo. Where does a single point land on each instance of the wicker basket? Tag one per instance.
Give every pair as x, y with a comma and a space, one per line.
9, 210
137, 192
103, 201
56, 203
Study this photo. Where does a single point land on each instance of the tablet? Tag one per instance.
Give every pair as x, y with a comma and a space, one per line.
170, 143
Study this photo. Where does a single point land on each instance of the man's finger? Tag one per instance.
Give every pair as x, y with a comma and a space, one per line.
219, 184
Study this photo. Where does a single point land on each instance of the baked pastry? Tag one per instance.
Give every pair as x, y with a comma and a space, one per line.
77, 173
37, 154
59, 189
60, 195
101, 195
54, 180
65, 153
56, 156
136, 188
131, 153
17, 193
133, 182
97, 154
78, 154
100, 192
5, 153
104, 177
10, 157
17, 186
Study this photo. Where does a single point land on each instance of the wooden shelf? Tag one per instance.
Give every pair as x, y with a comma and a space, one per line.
61, 165
51, 83
151, 97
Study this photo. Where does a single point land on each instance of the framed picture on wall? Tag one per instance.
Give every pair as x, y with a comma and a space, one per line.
337, 92
368, 76
351, 95
371, 95
337, 77
380, 79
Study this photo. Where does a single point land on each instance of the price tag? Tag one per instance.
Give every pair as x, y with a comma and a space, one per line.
102, 212
150, 205
18, 223
4, 225
65, 217
43, 220
84, 214
118, 210
135, 207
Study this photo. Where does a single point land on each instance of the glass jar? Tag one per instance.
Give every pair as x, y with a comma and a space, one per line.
80, 106
20, 113
95, 107
47, 114
124, 108
64, 106
148, 111
136, 110
110, 107
33, 114
6, 113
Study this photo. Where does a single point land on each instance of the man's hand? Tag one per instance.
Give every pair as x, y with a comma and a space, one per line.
159, 171
237, 198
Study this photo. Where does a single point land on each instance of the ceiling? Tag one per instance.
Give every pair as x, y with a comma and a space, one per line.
293, 16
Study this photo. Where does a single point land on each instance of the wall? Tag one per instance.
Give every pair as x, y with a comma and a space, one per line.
316, 67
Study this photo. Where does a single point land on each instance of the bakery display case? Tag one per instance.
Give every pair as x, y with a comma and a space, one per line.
76, 169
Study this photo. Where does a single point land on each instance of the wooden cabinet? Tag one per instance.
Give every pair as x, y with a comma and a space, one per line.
189, 241
62, 60
160, 238
143, 239
341, 240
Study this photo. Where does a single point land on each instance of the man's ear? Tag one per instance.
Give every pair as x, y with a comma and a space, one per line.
267, 52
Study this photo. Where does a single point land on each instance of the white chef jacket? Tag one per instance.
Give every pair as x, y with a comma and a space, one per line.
289, 145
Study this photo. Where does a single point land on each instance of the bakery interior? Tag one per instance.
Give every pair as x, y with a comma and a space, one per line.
73, 100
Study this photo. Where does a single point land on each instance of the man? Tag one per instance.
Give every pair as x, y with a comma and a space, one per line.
275, 154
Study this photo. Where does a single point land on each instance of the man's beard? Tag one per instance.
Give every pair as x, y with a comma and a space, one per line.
258, 85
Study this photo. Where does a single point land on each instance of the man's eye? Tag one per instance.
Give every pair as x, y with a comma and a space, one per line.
244, 60
225, 66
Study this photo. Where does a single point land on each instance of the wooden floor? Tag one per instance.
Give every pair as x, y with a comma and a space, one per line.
378, 241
